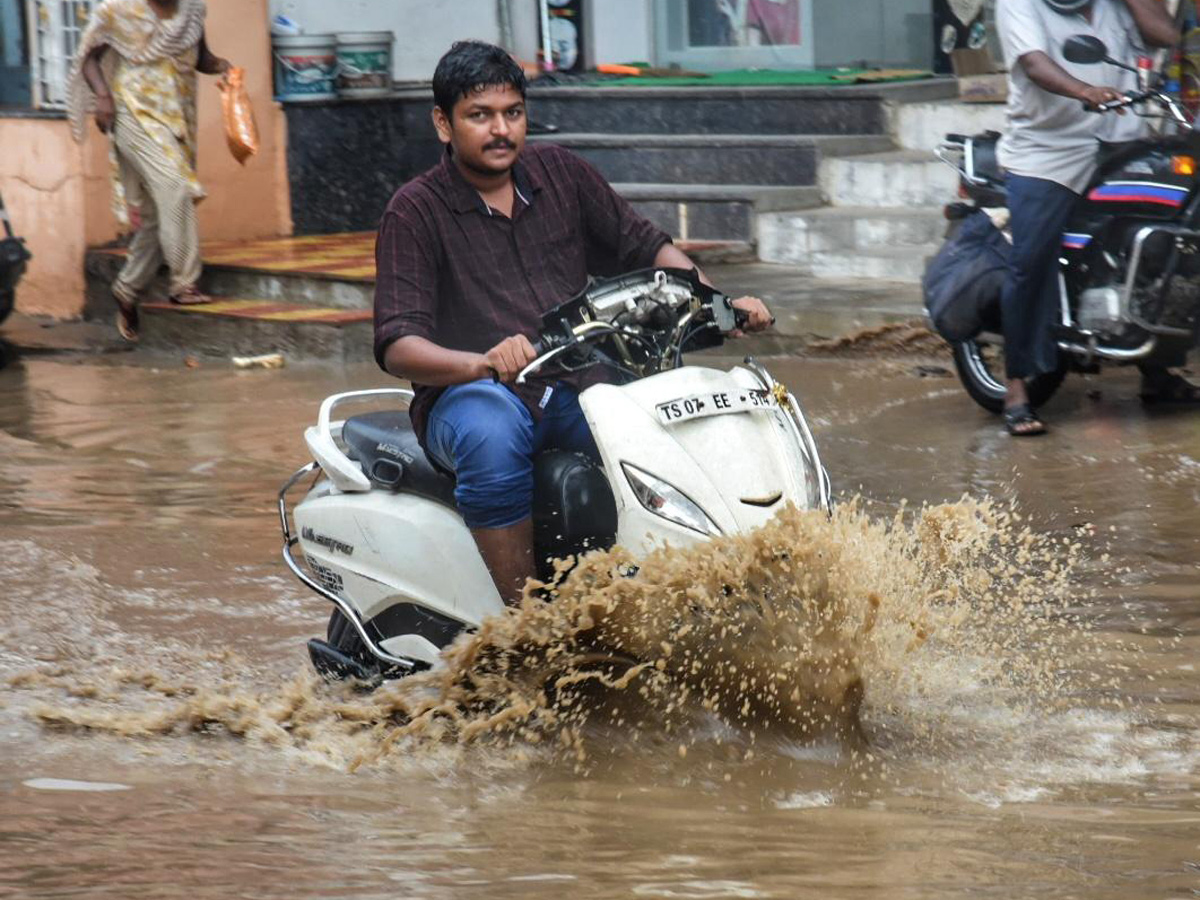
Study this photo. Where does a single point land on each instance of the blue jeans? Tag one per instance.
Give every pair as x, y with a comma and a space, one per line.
483, 433
1029, 303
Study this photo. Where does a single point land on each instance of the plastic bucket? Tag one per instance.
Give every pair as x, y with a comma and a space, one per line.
364, 64
305, 65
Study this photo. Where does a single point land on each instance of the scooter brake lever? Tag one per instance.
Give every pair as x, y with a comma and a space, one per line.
541, 360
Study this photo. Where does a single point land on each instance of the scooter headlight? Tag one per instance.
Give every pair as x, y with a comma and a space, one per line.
667, 501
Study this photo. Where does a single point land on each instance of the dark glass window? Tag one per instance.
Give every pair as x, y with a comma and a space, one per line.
14, 54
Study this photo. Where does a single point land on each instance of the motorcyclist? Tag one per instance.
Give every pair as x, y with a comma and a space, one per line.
1049, 152
469, 256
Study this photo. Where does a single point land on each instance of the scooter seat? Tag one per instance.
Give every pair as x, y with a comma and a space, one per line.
573, 505
386, 447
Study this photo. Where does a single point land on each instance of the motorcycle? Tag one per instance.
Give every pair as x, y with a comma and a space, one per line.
687, 453
13, 258
1129, 275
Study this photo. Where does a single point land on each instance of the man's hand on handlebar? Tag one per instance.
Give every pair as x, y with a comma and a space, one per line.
1093, 96
506, 360
755, 314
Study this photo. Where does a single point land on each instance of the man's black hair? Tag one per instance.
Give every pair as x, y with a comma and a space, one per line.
470, 66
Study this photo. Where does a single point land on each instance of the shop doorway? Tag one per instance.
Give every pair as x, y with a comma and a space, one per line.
718, 35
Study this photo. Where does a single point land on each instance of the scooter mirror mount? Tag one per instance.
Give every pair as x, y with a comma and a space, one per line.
1087, 50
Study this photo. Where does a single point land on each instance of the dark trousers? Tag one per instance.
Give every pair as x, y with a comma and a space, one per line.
1029, 304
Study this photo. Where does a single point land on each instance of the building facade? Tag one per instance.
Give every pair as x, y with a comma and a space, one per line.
708, 35
57, 191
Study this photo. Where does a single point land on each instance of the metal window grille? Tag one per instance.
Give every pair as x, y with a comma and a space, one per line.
55, 28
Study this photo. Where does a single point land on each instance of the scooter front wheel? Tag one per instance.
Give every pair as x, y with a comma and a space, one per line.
980, 365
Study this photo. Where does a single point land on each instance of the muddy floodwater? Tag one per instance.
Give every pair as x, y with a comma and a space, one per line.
162, 735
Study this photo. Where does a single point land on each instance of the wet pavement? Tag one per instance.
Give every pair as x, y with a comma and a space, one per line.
144, 593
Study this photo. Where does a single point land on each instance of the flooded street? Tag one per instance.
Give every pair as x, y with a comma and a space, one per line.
146, 599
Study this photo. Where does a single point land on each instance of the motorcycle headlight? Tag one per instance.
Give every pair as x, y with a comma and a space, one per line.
667, 501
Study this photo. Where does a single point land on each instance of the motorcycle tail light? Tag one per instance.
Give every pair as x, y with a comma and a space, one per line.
1183, 165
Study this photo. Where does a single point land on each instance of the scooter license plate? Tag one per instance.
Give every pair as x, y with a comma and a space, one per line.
717, 403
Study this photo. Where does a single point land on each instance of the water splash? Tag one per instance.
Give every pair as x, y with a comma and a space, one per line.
856, 628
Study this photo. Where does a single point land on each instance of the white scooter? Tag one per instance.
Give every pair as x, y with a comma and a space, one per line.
688, 453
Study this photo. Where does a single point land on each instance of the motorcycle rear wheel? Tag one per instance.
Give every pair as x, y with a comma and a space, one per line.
980, 366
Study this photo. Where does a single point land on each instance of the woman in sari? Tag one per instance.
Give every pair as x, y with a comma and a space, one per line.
136, 69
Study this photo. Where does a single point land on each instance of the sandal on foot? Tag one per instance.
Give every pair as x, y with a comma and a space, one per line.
190, 296
1171, 390
1022, 421
127, 320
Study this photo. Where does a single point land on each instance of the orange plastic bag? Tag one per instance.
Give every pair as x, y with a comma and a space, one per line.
240, 129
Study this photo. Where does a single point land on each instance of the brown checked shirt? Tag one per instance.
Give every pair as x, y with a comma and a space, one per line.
458, 273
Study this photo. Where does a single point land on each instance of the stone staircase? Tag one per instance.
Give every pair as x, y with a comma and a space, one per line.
711, 187
710, 165
702, 163
884, 214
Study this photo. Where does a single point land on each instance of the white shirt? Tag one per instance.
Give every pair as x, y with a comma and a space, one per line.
1050, 136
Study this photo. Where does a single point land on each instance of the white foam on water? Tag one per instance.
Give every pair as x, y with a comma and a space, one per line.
698, 890
812, 800
69, 784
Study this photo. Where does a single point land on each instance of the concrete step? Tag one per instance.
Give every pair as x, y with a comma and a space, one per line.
237, 327
720, 212
922, 126
794, 237
849, 109
899, 264
900, 178
713, 159
322, 289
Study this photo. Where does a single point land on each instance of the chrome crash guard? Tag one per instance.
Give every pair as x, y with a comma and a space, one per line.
290, 541
1154, 330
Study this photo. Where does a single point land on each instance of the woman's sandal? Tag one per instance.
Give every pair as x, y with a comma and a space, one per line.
190, 296
1022, 421
127, 320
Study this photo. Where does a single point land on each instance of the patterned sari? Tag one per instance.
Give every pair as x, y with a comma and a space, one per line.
151, 71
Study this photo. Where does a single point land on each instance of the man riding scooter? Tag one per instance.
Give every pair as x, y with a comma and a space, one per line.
469, 256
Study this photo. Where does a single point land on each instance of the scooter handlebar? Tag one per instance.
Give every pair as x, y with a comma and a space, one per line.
1127, 100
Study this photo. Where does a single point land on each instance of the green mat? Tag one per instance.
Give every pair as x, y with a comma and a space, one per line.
776, 77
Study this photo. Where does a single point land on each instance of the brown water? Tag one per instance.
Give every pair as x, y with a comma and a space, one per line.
1028, 716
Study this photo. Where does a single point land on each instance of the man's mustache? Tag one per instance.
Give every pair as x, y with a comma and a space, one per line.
500, 144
